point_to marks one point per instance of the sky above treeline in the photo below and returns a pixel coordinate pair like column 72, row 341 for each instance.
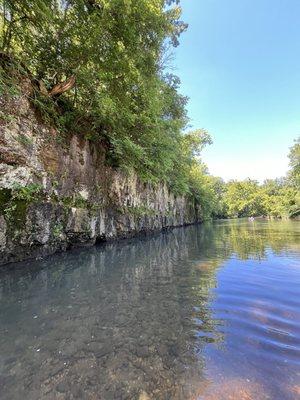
column 239, row 63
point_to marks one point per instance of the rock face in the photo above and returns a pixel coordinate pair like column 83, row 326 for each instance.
column 57, row 192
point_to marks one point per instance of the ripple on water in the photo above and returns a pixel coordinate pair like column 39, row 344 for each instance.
column 206, row 312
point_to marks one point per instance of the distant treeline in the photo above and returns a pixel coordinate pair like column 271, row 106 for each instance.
column 279, row 198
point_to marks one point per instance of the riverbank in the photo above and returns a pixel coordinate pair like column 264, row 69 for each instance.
column 57, row 190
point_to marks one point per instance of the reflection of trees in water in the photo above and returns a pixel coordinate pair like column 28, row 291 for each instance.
column 121, row 321
column 254, row 239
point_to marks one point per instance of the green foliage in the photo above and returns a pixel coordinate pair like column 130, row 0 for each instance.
column 278, row 198
column 24, row 140
column 28, row 193
column 137, row 211
column 275, row 198
column 57, row 230
column 244, row 198
column 6, row 118
column 202, row 189
column 9, row 83
column 294, row 157
column 14, row 203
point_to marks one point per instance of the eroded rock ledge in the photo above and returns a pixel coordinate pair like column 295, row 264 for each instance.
column 57, row 192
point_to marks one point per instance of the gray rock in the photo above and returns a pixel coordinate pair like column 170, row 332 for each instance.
column 81, row 200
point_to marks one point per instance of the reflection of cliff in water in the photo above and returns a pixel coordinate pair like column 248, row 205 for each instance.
column 124, row 321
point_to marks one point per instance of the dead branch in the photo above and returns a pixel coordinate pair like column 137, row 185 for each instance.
column 63, row 86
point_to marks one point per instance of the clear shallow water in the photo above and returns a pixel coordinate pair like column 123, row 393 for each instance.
column 204, row 312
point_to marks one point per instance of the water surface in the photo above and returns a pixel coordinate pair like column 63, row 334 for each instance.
column 204, row 312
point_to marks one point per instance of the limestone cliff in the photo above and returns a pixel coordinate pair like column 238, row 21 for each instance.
column 57, row 192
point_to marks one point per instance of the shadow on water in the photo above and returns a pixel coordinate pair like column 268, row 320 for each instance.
column 132, row 320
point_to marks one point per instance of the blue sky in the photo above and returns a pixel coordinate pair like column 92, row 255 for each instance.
column 239, row 63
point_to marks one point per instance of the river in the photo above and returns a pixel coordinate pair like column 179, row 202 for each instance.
column 206, row 312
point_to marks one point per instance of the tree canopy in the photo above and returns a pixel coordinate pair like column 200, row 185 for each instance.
column 294, row 157
column 278, row 198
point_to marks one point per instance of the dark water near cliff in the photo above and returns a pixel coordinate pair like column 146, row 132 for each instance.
column 205, row 312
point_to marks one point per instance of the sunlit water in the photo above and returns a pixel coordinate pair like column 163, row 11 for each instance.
column 204, row 312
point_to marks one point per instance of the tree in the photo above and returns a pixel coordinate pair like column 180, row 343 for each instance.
column 100, row 62
column 294, row 156
column 244, row 198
